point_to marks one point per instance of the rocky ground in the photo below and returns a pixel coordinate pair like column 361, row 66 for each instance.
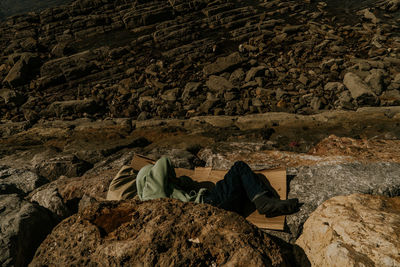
column 179, row 59
column 58, row 169
column 309, row 86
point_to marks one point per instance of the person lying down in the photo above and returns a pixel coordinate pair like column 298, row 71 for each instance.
column 239, row 185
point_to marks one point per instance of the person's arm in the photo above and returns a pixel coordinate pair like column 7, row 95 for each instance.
column 186, row 183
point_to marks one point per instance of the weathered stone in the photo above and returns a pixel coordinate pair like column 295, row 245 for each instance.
column 180, row 158
column 390, row 97
column 344, row 101
column 228, row 96
column 303, row 79
column 375, row 80
column 143, row 116
column 23, row 70
column 95, row 150
column 280, row 93
column 29, row 44
column 206, row 106
column 327, row 64
column 253, row 72
column 24, row 181
column 146, row 102
column 369, row 15
column 223, row 63
column 316, row 103
column 49, row 198
column 353, row 230
column 174, row 233
column 392, row 5
column 170, row 95
column 219, row 84
column 292, row 28
column 110, row 54
column 23, row 227
column 334, row 86
column 256, row 102
column 72, row 107
column 190, row 89
column 313, row 185
column 62, row 49
column 70, row 67
column 11, row 96
column 359, row 90
column 237, row 76
column 67, row 165
column 11, row 128
column 396, row 78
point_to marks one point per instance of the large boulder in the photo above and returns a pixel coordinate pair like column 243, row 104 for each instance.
column 354, row 230
column 313, row 185
column 164, row 232
column 23, row 227
column 359, row 90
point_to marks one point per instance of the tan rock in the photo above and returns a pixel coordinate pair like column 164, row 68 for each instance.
column 164, row 232
column 218, row 83
column 354, row 230
column 223, row 63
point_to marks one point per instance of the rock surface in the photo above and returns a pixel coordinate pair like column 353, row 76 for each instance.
column 159, row 232
column 354, row 230
column 19, row 181
column 23, row 227
column 359, row 89
column 315, row 184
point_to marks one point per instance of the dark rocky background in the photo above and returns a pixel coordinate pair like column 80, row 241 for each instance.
column 179, row 59
column 10, row 8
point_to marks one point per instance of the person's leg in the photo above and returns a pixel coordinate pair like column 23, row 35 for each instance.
column 241, row 182
column 250, row 182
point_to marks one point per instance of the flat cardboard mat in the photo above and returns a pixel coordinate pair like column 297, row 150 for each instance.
column 276, row 177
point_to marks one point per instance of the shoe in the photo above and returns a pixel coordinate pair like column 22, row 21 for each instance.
column 272, row 207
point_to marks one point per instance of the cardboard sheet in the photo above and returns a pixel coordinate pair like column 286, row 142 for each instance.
column 277, row 179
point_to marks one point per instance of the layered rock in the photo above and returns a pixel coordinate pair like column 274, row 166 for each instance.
column 135, row 58
column 353, row 230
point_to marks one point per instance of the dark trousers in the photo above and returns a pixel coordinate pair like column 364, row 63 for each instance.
column 240, row 185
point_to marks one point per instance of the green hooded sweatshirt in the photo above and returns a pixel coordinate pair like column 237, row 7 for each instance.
column 159, row 181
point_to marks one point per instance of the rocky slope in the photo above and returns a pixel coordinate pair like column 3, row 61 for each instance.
column 181, row 59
